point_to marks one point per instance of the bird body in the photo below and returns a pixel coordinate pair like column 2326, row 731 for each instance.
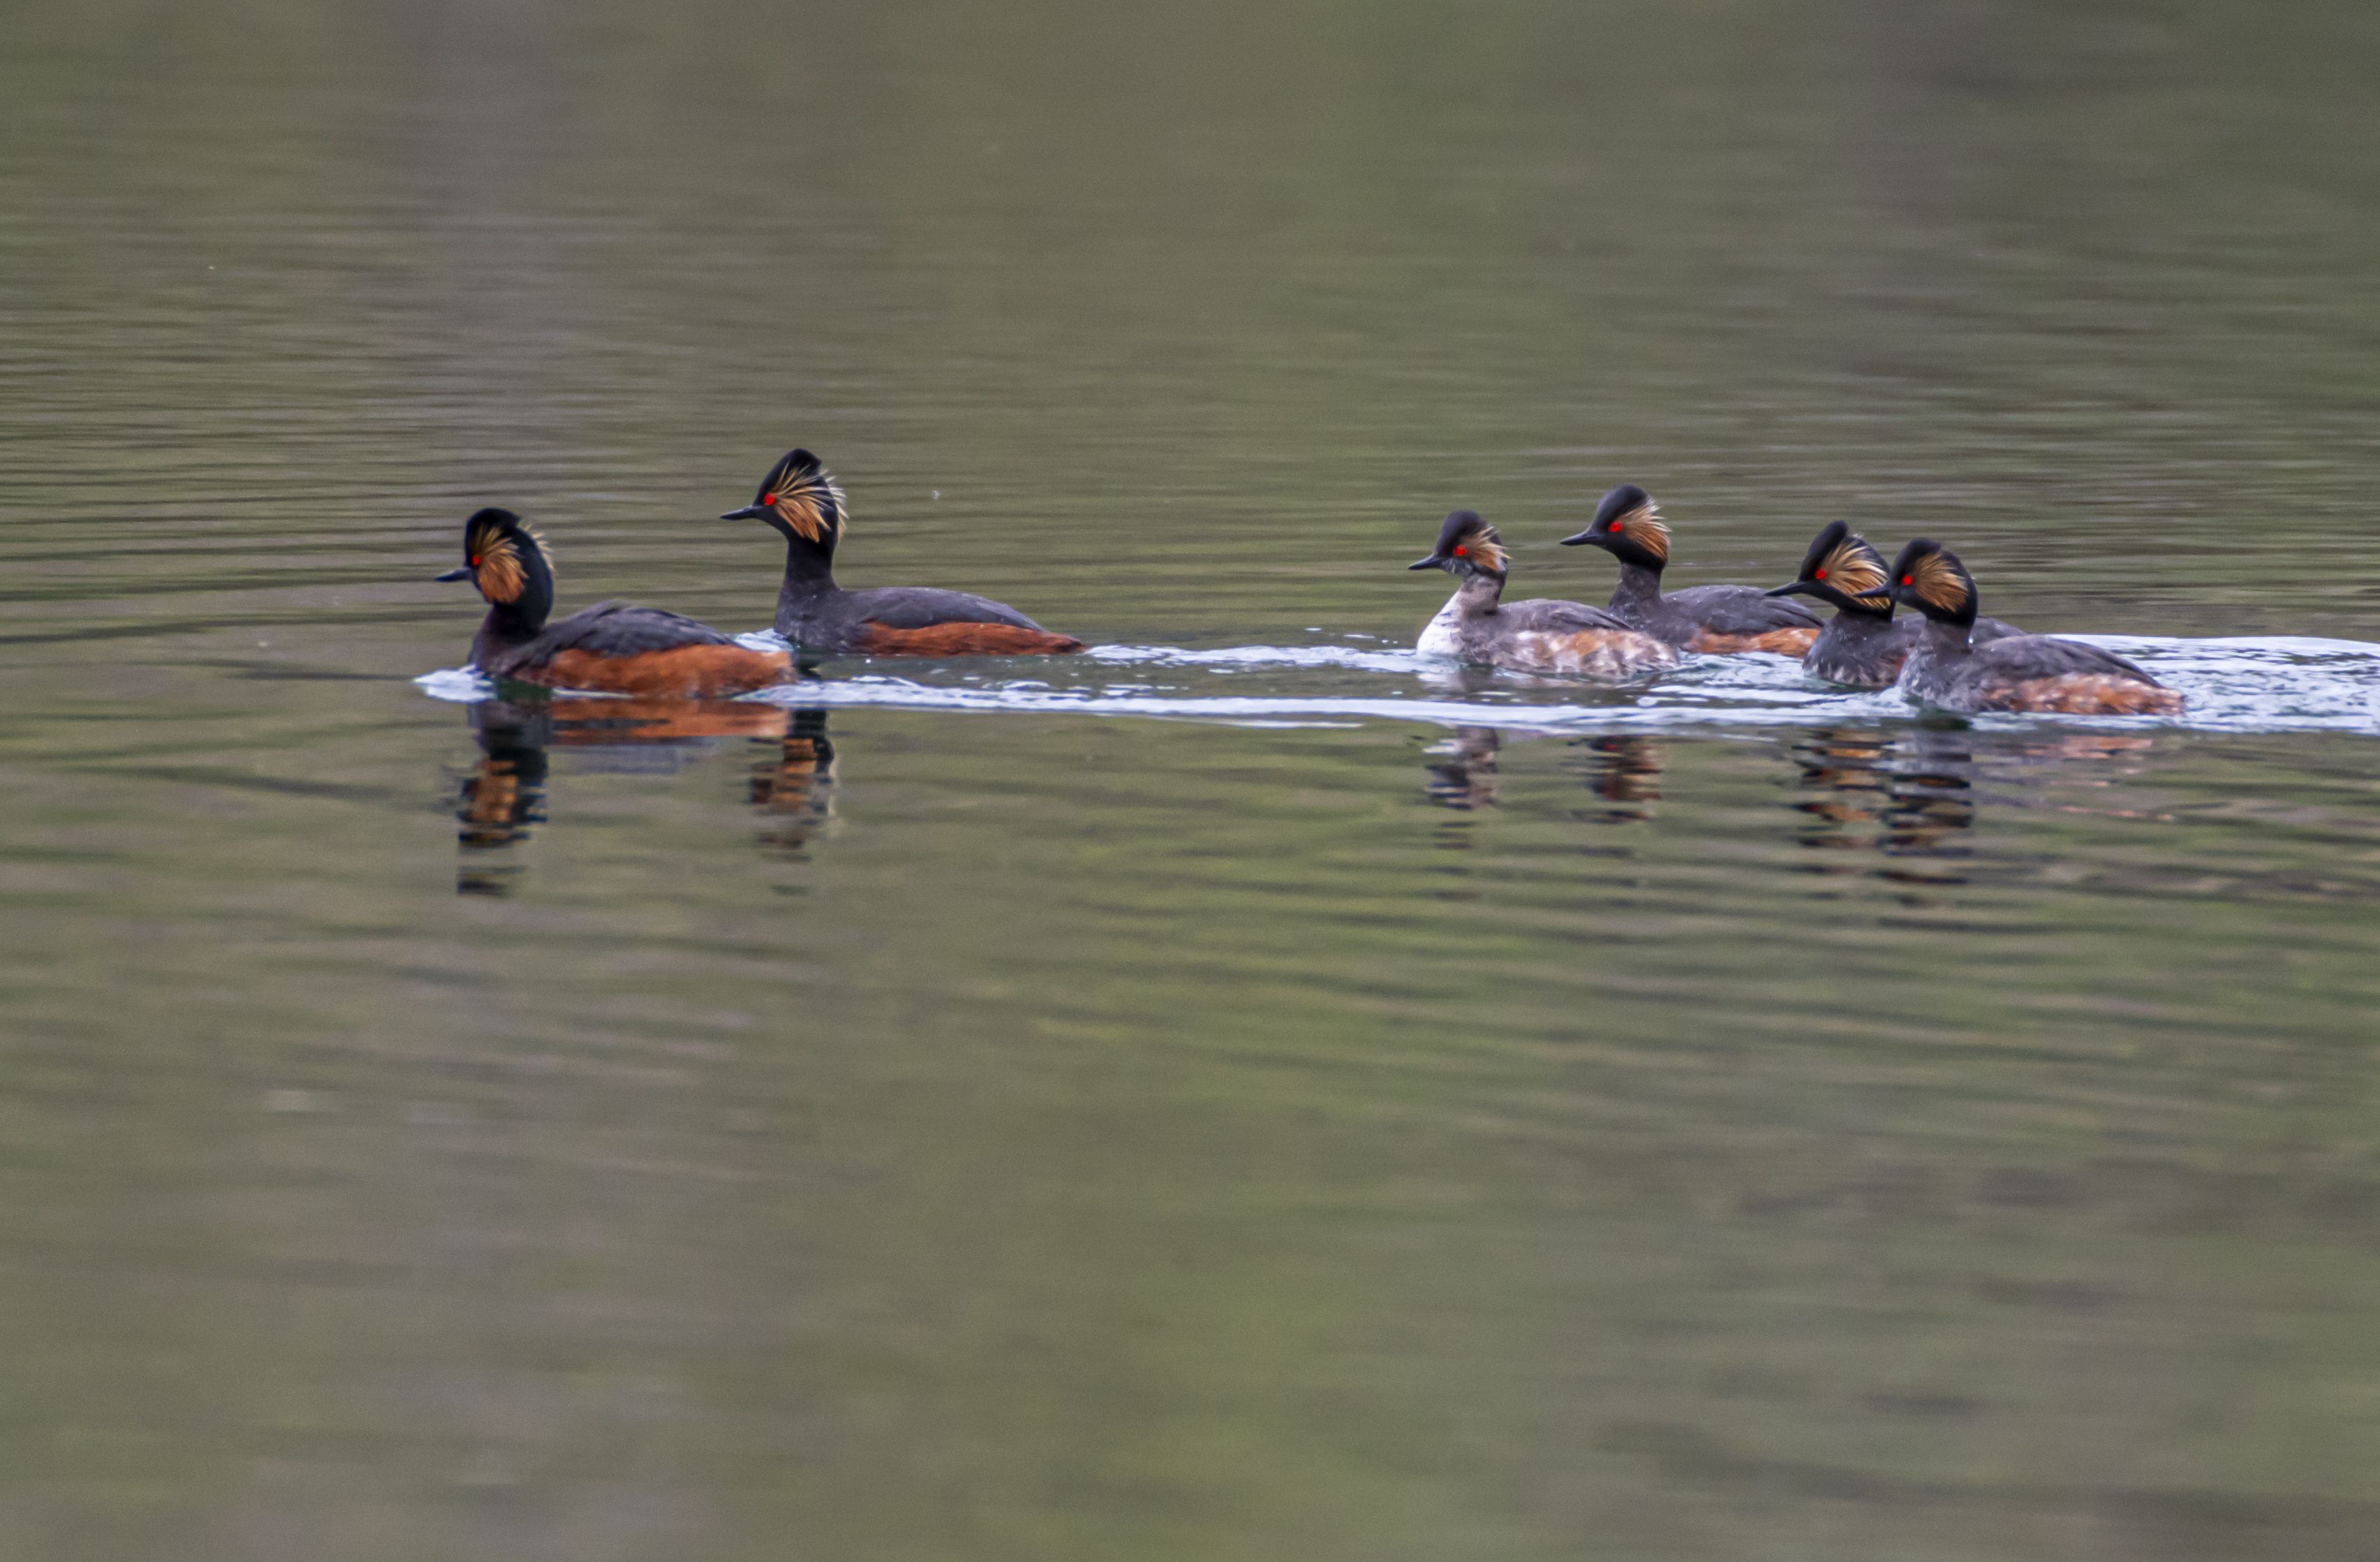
column 613, row 648
column 1863, row 646
column 1949, row 670
column 801, row 501
column 1722, row 620
column 1539, row 635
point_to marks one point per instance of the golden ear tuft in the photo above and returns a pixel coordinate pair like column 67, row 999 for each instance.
column 1643, row 527
column 1484, row 549
column 496, row 552
column 1938, row 582
column 1854, row 568
column 809, row 501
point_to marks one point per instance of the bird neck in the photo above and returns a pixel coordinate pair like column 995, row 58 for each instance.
column 1477, row 595
column 809, row 567
column 1946, row 637
column 1639, row 587
column 520, row 619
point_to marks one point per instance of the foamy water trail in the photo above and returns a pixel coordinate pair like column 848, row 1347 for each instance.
column 2260, row 684
column 464, row 685
column 1362, row 657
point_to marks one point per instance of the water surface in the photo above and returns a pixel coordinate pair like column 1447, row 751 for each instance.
column 1245, row 1092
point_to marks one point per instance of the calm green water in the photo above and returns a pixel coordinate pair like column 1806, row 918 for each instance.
column 1247, row 1094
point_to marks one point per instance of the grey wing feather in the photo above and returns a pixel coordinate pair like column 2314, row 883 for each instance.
column 2043, row 656
column 922, row 606
column 1740, row 610
column 625, row 629
column 1545, row 612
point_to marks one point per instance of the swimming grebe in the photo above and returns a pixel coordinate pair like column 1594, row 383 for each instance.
column 2016, row 672
column 1863, row 646
column 1534, row 637
column 612, row 646
column 801, row 501
column 1701, row 618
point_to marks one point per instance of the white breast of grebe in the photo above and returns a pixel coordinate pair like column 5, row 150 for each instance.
column 1437, row 634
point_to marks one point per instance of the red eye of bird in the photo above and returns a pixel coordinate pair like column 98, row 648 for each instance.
column 1904, row 580
column 1460, row 552
column 475, row 560
column 1820, row 576
column 768, row 498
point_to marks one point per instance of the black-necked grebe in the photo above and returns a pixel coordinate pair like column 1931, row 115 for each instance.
column 1701, row 618
column 2016, row 672
column 801, row 501
column 1863, row 646
column 612, row 646
column 1536, row 637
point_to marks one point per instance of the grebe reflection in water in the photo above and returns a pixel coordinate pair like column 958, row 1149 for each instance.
column 1914, row 796
column 502, row 798
column 1624, row 770
column 793, row 784
column 1462, row 769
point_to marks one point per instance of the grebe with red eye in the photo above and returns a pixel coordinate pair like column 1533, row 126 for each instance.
column 615, row 648
column 807, row 507
column 1701, row 618
column 1533, row 637
column 1863, row 646
column 1947, row 669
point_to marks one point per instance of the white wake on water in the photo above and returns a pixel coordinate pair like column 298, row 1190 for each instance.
column 2255, row 684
